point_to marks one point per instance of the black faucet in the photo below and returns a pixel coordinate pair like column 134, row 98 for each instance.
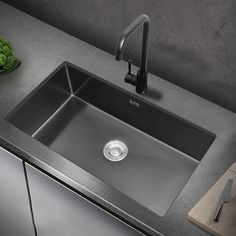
column 139, row 80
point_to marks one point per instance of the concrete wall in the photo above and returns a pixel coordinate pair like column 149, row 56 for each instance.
column 192, row 43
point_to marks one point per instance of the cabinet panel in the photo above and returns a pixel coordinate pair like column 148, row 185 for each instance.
column 15, row 215
column 59, row 211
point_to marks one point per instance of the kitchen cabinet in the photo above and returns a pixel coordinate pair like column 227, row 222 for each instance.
column 58, row 211
column 15, row 213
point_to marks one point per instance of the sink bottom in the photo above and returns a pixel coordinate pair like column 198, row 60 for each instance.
column 152, row 174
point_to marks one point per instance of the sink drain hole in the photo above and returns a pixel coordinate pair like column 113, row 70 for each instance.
column 115, row 150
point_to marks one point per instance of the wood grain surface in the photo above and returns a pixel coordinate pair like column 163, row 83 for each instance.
column 202, row 214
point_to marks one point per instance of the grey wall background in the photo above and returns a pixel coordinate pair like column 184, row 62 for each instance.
column 192, row 43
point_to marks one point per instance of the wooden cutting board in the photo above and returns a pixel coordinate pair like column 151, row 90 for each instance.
column 203, row 212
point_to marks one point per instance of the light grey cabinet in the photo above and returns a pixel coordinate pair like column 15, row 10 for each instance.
column 15, row 214
column 59, row 211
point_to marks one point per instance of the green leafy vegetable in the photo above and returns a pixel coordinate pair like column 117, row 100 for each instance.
column 7, row 59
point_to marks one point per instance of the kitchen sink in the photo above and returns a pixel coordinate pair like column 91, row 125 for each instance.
column 76, row 114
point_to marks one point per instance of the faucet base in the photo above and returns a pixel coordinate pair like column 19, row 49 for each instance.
column 141, row 82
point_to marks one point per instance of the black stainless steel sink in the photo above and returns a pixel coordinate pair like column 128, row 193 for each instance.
column 76, row 113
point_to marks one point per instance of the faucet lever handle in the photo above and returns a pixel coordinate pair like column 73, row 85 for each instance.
column 129, row 67
column 129, row 77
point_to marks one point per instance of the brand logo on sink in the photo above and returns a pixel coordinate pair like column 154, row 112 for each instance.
column 132, row 102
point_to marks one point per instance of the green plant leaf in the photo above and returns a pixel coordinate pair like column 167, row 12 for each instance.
column 3, row 59
column 9, row 62
column 7, row 59
column 6, row 50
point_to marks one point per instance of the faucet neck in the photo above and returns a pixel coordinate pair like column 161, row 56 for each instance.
column 142, row 19
column 144, row 53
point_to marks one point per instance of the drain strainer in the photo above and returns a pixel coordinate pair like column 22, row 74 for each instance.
column 115, row 150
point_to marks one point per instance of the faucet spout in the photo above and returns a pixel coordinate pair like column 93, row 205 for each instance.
column 142, row 19
column 140, row 80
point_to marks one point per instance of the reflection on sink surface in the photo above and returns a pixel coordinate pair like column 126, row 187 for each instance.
column 75, row 114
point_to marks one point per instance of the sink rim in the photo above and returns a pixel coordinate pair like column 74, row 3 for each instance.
column 134, row 95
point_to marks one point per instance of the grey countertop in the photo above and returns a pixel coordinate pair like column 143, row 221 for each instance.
column 42, row 48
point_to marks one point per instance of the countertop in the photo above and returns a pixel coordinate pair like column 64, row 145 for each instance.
column 41, row 49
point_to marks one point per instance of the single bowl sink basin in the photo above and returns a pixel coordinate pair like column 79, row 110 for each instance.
column 76, row 114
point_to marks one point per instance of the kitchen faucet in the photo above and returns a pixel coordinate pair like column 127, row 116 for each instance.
column 139, row 80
